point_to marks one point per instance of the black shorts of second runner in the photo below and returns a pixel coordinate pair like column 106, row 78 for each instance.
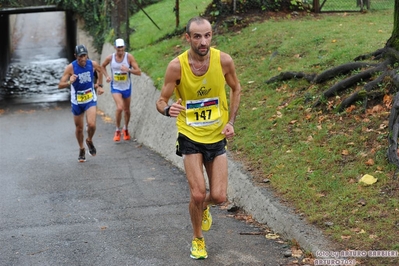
column 185, row 146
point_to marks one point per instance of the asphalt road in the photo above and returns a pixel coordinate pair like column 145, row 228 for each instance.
column 125, row 206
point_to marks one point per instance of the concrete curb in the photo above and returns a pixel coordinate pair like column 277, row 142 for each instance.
column 159, row 133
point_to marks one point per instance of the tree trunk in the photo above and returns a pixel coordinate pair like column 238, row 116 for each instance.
column 394, row 40
column 119, row 18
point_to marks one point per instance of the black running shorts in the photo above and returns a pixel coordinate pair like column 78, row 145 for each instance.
column 184, row 145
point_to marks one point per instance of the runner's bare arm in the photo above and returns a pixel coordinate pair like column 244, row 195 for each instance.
column 172, row 76
column 104, row 67
column 134, row 67
column 234, row 84
column 99, row 84
column 65, row 79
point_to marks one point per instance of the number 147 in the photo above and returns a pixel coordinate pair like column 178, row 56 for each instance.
column 205, row 115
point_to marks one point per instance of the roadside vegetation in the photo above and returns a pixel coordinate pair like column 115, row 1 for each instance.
column 313, row 158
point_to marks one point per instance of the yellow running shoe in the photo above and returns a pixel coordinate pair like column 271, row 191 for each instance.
column 206, row 220
column 198, row 249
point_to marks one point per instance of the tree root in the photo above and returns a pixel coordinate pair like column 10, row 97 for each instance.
column 291, row 75
column 340, row 70
column 387, row 67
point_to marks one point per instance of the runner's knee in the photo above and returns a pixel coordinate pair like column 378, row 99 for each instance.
column 218, row 198
column 198, row 196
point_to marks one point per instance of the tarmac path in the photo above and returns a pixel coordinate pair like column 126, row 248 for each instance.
column 125, row 206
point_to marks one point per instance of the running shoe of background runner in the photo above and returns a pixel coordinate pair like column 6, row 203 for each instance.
column 117, row 136
column 126, row 135
column 92, row 149
column 82, row 155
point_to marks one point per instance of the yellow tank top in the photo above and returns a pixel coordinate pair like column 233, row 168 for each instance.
column 205, row 100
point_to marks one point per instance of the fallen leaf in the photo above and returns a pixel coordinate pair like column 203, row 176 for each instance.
column 387, row 100
column 345, row 152
column 370, row 162
column 377, row 109
column 272, row 236
column 350, row 108
column 362, row 202
column 297, row 253
column 368, row 179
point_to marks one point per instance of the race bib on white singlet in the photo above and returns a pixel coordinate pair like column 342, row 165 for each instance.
column 84, row 96
column 120, row 77
column 202, row 112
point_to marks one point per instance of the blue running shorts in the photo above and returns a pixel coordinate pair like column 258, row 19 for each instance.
column 78, row 109
column 125, row 93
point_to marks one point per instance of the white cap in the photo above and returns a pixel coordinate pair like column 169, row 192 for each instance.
column 119, row 42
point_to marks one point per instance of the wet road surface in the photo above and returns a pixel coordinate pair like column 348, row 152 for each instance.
column 125, row 206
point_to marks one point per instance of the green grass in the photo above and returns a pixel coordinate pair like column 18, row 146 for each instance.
column 164, row 18
column 313, row 157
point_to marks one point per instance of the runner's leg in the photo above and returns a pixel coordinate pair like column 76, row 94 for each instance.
column 126, row 109
column 91, row 115
column 218, row 180
column 193, row 165
column 119, row 108
column 78, row 119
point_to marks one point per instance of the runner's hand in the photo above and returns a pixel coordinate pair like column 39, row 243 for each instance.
column 176, row 108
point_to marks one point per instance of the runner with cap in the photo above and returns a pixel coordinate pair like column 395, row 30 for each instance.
column 122, row 64
column 79, row 76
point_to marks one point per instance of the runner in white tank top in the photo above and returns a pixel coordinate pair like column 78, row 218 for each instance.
column 122, row 64
column 120, row 79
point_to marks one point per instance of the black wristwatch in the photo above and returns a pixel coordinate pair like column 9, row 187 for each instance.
column 166, row 111
column 100, row 85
